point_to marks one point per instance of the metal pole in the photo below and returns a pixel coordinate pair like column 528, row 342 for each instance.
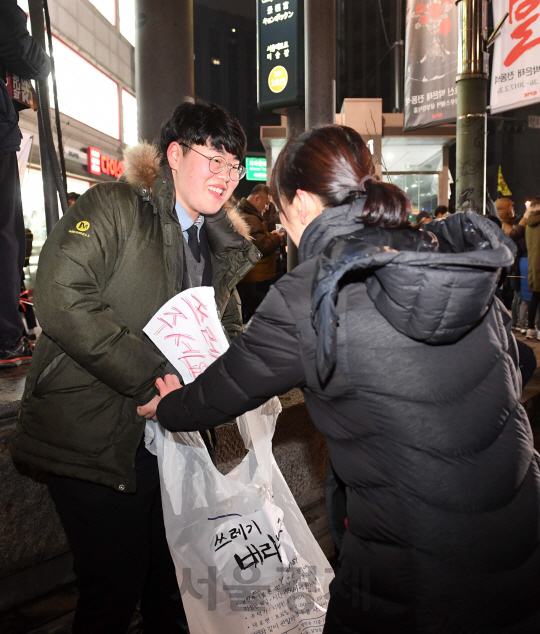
column 164, row 69
column 320, row 60
column 471, row 107
column 484, row 199
column 56, row 110
column 320, row 79
column 296, row 121
column 35, row 8
column 398, row 59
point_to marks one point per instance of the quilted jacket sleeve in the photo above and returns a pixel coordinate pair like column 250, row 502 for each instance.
column 265, row 360
column 232, row 316
column 75, row 264
column 19, row 52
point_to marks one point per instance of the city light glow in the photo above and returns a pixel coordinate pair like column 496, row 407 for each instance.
column 84, row 92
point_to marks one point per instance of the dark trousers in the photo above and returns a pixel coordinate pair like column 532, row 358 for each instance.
column 120, row 553
column 527, row 361
column 252, row 294
column 533, row 307
column 12, row 251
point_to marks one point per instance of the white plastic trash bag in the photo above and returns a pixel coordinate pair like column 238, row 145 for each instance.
column 246, row 560
column 245, row 557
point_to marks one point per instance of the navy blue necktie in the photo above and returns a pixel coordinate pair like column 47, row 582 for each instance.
column 193, row 242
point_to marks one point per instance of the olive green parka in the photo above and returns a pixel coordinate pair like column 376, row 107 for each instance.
column 109, row 264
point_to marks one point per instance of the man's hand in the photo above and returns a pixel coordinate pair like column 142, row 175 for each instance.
column 149, row 410
column 168, row 384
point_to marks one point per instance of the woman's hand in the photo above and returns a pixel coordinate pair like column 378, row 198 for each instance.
column 168, row 384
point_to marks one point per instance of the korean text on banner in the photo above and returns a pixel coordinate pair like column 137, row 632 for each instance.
column 431, row 58
column 515, row 76
column 188, row 331
column 21, row 90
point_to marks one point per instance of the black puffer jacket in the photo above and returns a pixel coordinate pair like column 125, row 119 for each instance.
column 23, row 56
column 408, row 367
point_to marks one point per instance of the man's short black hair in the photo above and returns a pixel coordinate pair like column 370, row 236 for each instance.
column 73, row 196
column 260, row 189
column 196, row 123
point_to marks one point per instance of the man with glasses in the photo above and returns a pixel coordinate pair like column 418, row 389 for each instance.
column 120, row 252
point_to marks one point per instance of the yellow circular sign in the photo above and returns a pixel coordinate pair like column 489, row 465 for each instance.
column 278, row 78
column 83, row 225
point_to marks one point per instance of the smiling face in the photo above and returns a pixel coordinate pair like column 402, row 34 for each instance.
column 197, row 189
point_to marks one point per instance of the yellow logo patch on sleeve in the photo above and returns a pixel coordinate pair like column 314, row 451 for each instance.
column 81, row 227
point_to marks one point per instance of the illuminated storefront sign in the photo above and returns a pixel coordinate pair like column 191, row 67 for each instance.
column 255, row 168
column 280, row 53
column 98, row 164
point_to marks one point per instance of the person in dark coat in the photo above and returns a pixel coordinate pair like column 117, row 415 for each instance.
column 423, row 218
column 532, row 236
column 254, row 286
column 21, row 55
column 440, row 212
column 409, row 368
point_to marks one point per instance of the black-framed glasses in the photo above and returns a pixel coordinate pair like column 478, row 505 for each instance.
column 217, row 164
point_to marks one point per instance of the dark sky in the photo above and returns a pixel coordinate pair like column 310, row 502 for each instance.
column 245, row 8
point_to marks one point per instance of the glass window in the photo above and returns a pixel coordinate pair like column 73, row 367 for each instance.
column 84, row 92
column 34, row 212
column 422, row 189
column 33, row 205
column 129, row 117
column 126, row 14
column 106, row 8
column 405, row 154
column 77, row 185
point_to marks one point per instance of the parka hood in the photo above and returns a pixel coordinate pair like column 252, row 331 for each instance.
column 433, row 285
column 142, row 166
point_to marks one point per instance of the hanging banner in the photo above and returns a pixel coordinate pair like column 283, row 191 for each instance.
column 515, row 75
column 431, row 59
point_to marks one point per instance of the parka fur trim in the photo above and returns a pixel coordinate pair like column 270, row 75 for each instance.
column 142, row 163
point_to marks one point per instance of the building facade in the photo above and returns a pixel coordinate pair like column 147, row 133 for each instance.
column 95, row 74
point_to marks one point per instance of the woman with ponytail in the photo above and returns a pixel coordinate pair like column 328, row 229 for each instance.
column 408, row 367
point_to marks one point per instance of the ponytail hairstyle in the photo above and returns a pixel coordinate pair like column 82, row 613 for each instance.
column 333, row 163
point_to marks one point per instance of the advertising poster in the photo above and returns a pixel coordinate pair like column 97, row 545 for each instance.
column 515, row 75
column 431, row 59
